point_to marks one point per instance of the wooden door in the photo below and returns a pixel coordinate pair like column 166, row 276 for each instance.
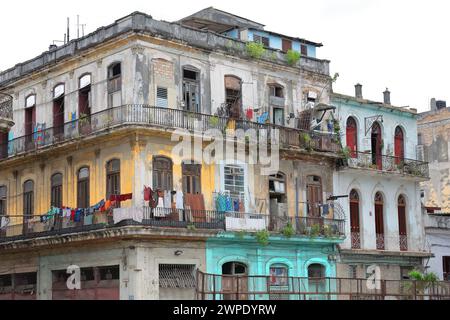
column 58, row 117
column 402, row 224
column 352, row 136
column 286, row 45
column 399, row 146
column 379, row 221
column 446, row 268
column 377, row 147
column 314, row 195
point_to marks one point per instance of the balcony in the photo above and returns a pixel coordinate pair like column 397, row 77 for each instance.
column 389, row 164
column 34, row 227
column 270, row 287
column 164, row 119
column 6, row 112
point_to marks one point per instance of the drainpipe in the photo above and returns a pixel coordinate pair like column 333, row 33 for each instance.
column 296, row 198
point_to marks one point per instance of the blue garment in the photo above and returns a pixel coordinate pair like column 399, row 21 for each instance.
column 221, row 203
column 78, row 215
column 229, row 204
column 236, row 205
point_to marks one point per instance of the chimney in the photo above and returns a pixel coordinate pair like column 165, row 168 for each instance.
column 440, row 104
column 358, row 91
column 387, row 96
column 433, row 106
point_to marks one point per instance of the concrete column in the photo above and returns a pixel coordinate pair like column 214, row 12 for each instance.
column 138, row 148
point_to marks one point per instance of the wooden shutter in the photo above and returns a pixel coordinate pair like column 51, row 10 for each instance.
column 286, row 45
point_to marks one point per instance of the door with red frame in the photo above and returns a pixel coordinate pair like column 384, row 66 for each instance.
column 377, row 146
column 403, row 234
column 352, row 137
column 354, row 220
column 399, row 146
column 379, row 221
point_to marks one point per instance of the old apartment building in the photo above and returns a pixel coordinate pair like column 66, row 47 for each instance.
column 434, row 130
column 382, row 178
column 89, row 176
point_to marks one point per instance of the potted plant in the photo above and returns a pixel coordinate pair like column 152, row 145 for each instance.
column 420, row 283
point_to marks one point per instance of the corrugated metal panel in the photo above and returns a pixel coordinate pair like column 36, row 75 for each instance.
column 176, row 276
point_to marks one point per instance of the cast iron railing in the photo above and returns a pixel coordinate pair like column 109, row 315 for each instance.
column 168, row 119
column 20, row 227
column 250, row 287
column 385, row 163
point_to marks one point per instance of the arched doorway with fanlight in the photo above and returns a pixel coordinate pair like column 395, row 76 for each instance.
column 377, row 146
column 235, row 281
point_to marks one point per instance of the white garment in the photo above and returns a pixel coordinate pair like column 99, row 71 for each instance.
column 4, row 221
column 135, row 214
column 160, row 202
column 179, row 200
column 167, row 199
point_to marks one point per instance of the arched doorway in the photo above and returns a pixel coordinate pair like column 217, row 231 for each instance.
column 379, row 220
column 354, row 220
column 399, row 145
column 403, row 234
column 316, row 281
column 235, row 281
column 352, row 137
column 377, row 146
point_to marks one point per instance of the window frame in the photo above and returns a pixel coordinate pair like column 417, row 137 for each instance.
column 56, row 190
column 112, row 178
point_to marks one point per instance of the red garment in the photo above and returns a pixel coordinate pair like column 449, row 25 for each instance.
column 121, row 198
column 72, row 215
column 249, row 114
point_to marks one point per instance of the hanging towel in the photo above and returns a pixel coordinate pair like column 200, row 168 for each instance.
column 88, row 220
column 179, row 200
column 221, row 203
column 160, row 202
column 122, row 214
column 167, row 199
column 4, row 221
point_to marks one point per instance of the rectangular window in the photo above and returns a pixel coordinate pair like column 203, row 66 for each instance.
column 162, row 97
column 177, row 276
column 304, row 50
column 353, row 271
column 234, row 181
column 446, row 268
column 191, row 90
column 56, row 196
column 3, row 201
column 286, row 45
column 265, row 41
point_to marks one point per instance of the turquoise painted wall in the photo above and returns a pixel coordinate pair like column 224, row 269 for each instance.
column 297, row 254
column 232, row 33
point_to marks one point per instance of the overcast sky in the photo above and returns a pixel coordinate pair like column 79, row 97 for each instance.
column 399, row 44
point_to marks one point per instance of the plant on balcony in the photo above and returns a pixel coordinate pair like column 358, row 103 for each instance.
column 307, row 141
column 263, row 237
column 255, row 50
column 292, row 57
column 288, row 231
column 315, row 231
column 345, row 153
column 421, row 282
column 214, row 121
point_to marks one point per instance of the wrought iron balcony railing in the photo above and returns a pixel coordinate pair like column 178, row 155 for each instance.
column 274, row 287
column 367, row 160
column 20, row 227
column 167, row 119
column 6, row 108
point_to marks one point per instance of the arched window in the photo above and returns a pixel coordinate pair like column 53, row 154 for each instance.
column 28, row 198
column 3, row 198
column 399, row 145
column 56, row 190
column 314, row 195
column 377, row 146
column 316, row 271
column 84, row 98
column 112, row 178
column 114, row 85
column 191, row 89
column 233, row 96
column 352, row 137
column 58, row 110
column 402, row 225
column 162, row 174
column 354, row 220
column 30, row 118
column 83, row 188
column 192, row 178
column 379, row 221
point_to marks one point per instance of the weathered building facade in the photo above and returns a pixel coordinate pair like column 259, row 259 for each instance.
column 87, row 126
column 381, row 177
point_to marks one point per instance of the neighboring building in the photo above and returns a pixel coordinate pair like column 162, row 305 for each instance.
column 382, row 181
column 433, row 130
column 437, row 229
column 92, row 120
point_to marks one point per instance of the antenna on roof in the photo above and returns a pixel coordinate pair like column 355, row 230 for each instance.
column 68, row 29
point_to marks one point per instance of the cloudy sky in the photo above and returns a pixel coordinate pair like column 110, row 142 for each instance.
column 403, row 45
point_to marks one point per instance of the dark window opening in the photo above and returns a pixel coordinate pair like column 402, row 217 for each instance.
column 3, row 195
column 276, row 91
column 3, row 145
column 114, row 85
column 162, row 174
column 286, row 45
column 109, row 273
column 304, row 50
column 56, row 190
column 83, row 188
column 277, row 187
column 28, row 198
column 5, row 281
column 112, row 178
column 377, row 146
column 234, row 268
column 446, row 268
column 192, row 178
column 58, row 117
column 30, row 119
column 265, row 41
column 233, row 97
column 191, row 90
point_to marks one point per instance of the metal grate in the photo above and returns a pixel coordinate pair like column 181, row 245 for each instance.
column 176, row 276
